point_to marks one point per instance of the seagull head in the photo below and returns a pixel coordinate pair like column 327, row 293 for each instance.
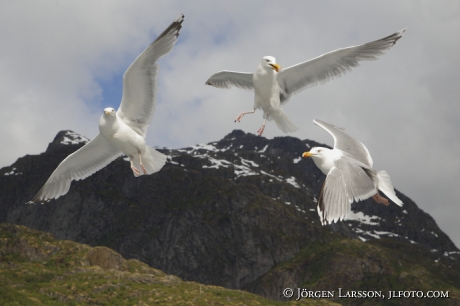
column 316, row 152
column 109, row 111
column 270, row 61
column 323, row 158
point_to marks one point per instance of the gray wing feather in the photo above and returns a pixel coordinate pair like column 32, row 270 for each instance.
column 140, row 81
column 89, row 159
column 346, row 143
column 227, row 79
column 345, row 183
column 332, row 199
column 330, row 65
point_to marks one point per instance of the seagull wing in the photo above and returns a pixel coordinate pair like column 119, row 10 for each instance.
column 90, row 158
column 346, row 182
column 227, row 79
column 331, row 65
column 140, row 81
column 346, row 143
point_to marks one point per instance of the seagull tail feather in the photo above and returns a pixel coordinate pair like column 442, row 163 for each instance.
column 387, row 188
column 282, row 121
column 153, row 160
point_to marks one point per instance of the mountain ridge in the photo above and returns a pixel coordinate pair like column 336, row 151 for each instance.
column 225, row 213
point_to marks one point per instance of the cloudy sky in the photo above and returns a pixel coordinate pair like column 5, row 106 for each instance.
column 61, row 63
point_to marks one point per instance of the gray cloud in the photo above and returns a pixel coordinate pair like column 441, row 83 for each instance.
column 404, row 106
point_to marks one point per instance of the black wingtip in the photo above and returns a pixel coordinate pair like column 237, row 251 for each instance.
column 39, row 198
column 390, row 40
column 395, row 37
column 399, row 35
column 35, row 200
column 175, row 26
column 181, row 18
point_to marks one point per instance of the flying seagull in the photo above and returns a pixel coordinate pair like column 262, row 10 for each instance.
column 274, row 86
column 349, row 176
column 122, row 131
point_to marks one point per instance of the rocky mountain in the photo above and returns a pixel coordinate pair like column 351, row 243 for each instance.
column 37, row 269
column 238, row 213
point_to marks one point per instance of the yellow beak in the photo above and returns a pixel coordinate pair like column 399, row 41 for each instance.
column 276, row 67
column 306, row 154
column 106, row 112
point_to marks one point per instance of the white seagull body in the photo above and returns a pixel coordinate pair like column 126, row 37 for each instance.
column 122, row 131
column 349, row 176
column 273, row 87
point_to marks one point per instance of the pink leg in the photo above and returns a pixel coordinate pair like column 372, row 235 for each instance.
column 262, row 128
column 142, row 166
column 240, row 116
column 136, row 172
column 379, row 199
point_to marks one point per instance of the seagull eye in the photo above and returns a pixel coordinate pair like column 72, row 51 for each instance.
column 267, row 60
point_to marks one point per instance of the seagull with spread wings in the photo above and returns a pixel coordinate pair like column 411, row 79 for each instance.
column 122, row 131
column 274, row 86
column 349, row 176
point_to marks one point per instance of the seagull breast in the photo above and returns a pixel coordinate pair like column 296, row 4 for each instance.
column 266, row 88
column 121, row 135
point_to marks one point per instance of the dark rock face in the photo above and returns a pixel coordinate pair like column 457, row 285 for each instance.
column 225, row 213
column 388, row 265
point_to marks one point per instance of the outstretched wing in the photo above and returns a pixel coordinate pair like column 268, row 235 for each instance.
column 89, row 159
column 346, row 143
column 346, row 182
column 140, row 81
column 227, row 79
column 331, row 65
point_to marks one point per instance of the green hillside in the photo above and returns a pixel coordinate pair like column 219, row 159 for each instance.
column 37, row 269
column 383, row 266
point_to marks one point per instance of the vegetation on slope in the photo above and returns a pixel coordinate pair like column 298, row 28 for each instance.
column 384, row 265
column 37, row 269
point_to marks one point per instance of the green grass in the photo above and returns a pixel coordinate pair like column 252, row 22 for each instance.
column 335, row 263
column 36, row 269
